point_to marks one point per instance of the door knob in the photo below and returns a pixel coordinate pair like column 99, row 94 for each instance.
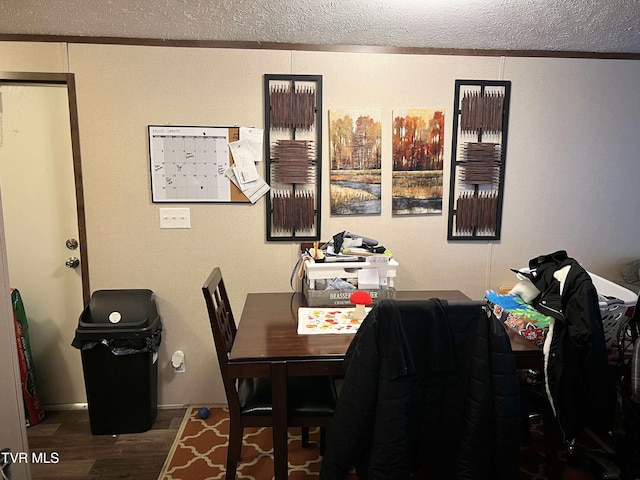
column 72, row 262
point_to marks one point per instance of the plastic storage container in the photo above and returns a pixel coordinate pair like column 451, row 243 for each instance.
column 119, row 334
column 616, row 305
column 316, row 275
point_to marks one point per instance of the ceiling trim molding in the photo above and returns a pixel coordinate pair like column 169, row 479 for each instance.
column 252, row 45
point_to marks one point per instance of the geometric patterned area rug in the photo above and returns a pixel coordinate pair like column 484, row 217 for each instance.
column 200, row 451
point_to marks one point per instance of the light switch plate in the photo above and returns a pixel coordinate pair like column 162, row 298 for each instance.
column 175, row 218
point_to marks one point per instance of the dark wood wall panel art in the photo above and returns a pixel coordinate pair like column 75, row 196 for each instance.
column 478, row 158
column 293, row 154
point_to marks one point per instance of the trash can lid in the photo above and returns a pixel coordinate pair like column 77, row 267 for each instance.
column 121, row 309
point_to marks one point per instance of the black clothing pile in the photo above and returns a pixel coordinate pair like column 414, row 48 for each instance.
column 430, row 391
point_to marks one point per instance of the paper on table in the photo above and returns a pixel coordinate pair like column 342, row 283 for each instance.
column 313, row 321
column 254, row 138
column 243, row 162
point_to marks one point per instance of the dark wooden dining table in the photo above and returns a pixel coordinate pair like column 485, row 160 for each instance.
column 267, row 344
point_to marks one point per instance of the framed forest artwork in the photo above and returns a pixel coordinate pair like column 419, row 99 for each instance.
column 355, row 150
column 418, row 154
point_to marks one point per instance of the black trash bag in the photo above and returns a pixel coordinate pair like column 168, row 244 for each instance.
column 126, row 321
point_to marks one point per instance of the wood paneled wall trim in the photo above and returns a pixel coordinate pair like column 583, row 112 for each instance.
column 247, row 45
column 67, row 79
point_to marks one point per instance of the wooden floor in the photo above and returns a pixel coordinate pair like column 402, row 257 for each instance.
column 138, row 456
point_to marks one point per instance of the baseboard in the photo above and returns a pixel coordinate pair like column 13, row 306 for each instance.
column 84, row 406
column 65, row 406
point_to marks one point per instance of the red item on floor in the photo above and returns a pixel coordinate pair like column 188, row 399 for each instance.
column 33, row 409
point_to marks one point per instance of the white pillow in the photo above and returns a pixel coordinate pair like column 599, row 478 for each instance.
column 526, row 289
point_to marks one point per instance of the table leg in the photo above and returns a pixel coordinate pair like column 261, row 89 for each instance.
column 279, row 400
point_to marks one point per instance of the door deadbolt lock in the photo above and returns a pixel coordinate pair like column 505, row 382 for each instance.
column 71, row 243
column 72, row 262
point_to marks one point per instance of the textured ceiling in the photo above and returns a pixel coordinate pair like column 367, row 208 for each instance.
column 603, row 26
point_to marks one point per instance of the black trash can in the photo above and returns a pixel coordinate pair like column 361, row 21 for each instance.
column 118, row 335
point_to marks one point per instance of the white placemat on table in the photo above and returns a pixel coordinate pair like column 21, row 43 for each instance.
column 321, row 320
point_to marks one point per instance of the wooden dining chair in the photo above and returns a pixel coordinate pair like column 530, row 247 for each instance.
column 311, row 400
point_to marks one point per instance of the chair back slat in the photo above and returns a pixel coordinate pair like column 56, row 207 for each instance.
column 223, row 328
column 223, row 325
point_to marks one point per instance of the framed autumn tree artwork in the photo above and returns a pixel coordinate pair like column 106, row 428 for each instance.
column 355, row 147
column 418, row 154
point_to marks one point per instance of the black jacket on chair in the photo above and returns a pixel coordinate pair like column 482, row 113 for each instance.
column 580, row 389
column 430, row 391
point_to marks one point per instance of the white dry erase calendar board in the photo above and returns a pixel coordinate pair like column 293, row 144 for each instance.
column 188, row 164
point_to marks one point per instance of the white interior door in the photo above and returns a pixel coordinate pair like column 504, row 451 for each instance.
column 39, row 205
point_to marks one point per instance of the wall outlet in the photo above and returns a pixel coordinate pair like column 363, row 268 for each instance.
column 177, row 361
column 175, row 218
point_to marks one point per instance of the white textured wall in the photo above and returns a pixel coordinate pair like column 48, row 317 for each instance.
column 13, row 434
column 571, row 173
column 577, row 25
